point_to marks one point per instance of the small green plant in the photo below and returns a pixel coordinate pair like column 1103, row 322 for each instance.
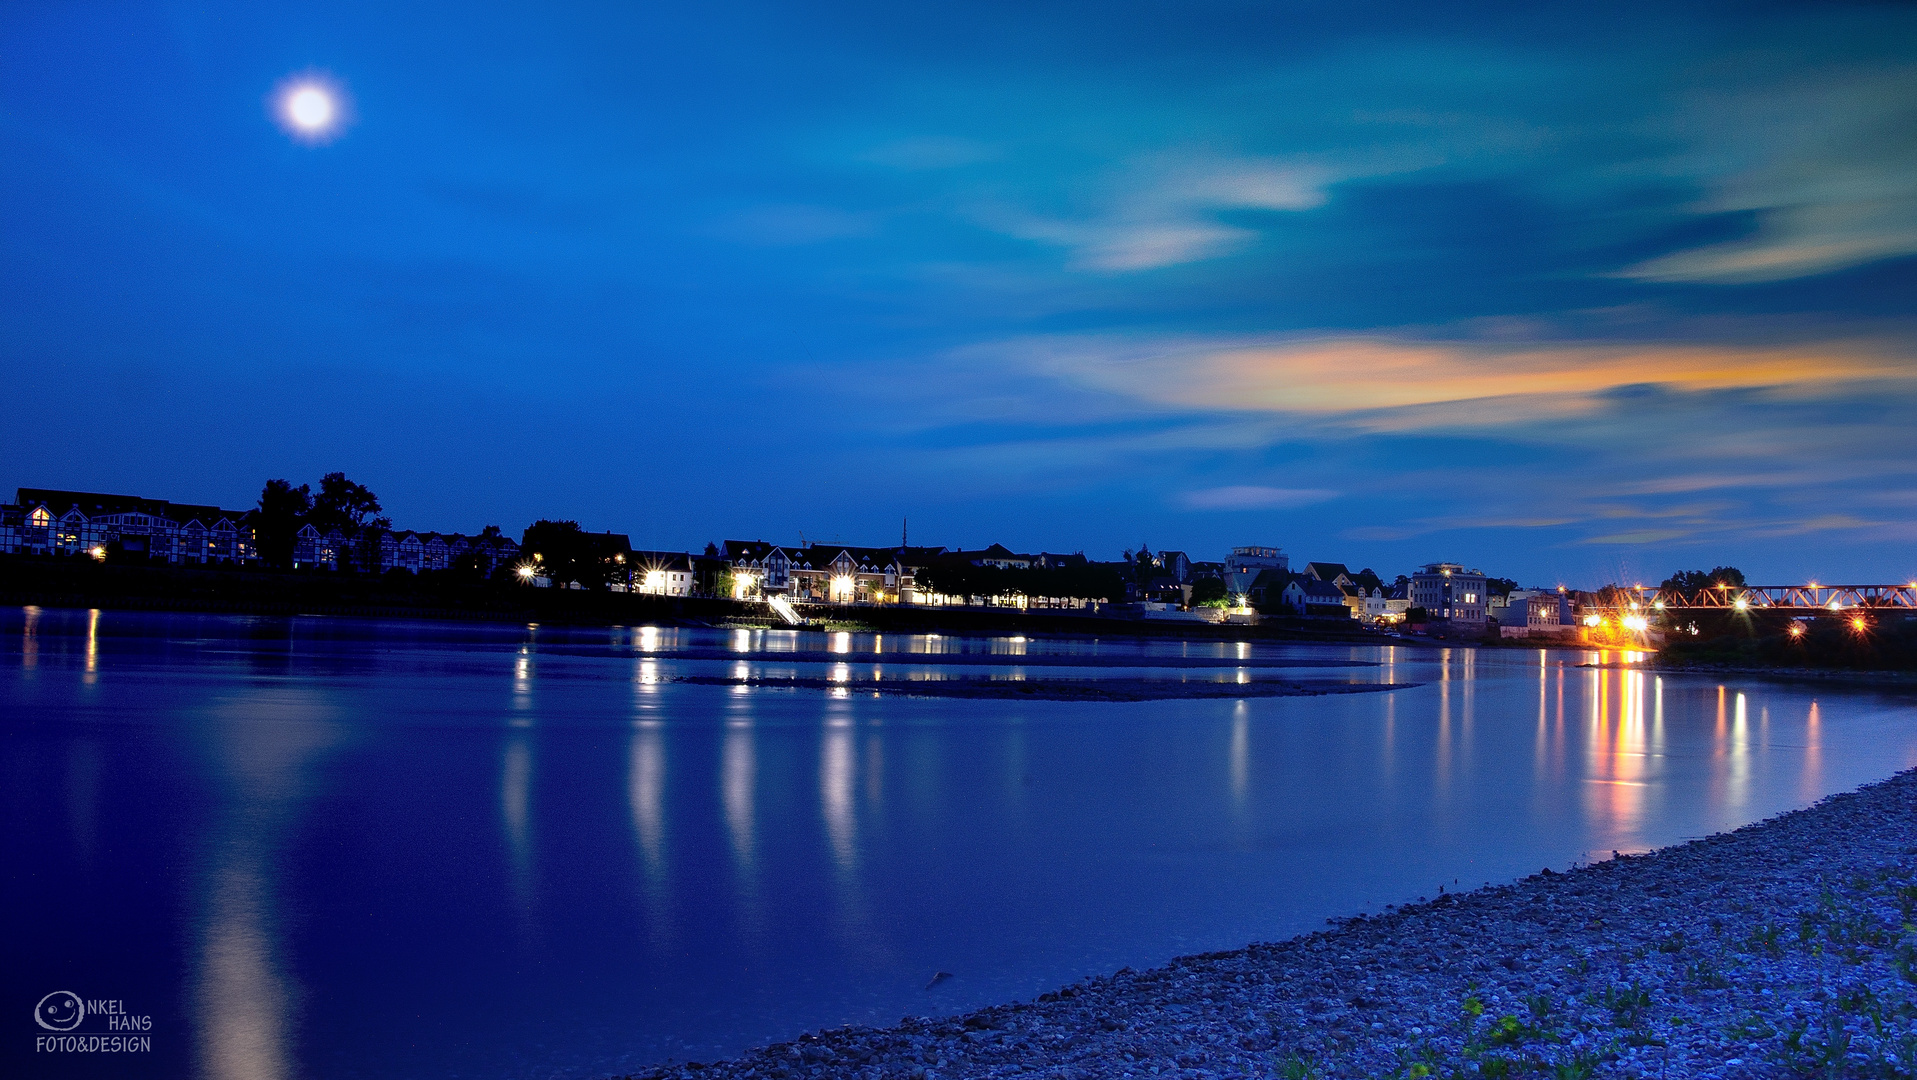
column 1508, row 1031
column 1673, row 942
column 1628, row 1004
column 1764, row 940
column 1857, row 998
column 1749, row 1028
column 1578, row 1066
column 1907, row 901
column 1704, row 974
column 1853, row 933
column 1820, row 1054
column 1295, row 1066
column 1905, row 962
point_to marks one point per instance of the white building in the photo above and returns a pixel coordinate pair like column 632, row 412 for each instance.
column 1449, row 591
column 758, row 568
column 1244, row 565
column 661, row 573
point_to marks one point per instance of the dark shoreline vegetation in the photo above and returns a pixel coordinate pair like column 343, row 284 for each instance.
column 1782, row 949
column 1879, row 640
column 83, row 583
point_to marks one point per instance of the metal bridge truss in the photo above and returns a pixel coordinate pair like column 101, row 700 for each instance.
column 1799, row 598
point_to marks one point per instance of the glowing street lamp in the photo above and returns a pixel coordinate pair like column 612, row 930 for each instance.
column 525, row 573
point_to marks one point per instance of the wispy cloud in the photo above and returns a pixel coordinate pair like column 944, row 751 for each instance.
column 1826, row 163
column 1254, row 497
column 1165, row 211
column 1383, row 384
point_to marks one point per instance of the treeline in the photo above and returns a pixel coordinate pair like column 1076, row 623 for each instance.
column 340, row 504
column 1870, row 641
column 353, row 511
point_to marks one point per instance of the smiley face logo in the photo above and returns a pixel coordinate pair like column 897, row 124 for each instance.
column 61, row 1010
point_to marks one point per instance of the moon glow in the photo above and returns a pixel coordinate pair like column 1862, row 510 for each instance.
column 310, row 108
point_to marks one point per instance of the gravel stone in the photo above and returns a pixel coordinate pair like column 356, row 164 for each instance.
column 1783, row 949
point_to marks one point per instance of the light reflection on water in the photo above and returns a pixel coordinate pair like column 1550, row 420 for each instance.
column 586, row 866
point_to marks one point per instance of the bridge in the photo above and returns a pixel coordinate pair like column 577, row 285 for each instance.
column 1806, row 599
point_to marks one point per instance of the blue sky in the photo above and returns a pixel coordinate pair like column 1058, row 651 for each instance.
column 1570, row 295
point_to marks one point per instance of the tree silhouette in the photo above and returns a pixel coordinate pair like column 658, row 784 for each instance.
column 354, row 510
column 283, row 508
column 344, row 505
column 1692, row 580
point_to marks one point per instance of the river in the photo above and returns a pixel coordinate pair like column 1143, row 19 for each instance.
column 351, row 848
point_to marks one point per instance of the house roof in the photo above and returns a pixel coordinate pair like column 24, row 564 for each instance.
column 661, row 560
column 1326, row 571
column 819, row 554
column 995, row 552
column 754, row 550
column 93, row 504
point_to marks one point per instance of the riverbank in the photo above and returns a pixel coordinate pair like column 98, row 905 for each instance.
column 1782, row 949
column 74, row 583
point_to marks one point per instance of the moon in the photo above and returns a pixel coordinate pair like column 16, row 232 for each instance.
column 310, row 108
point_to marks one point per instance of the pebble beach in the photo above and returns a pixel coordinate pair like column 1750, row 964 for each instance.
column 1783, row 949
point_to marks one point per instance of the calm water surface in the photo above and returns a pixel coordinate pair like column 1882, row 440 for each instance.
column 332, row 848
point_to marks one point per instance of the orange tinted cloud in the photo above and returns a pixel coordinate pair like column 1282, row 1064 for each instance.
column 1371, row 375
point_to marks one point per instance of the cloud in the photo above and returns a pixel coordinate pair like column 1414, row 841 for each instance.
column 1385, row 384
column 1640, row 536
column 1253, row 497
column 1163, row 212
column 1826, row 164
